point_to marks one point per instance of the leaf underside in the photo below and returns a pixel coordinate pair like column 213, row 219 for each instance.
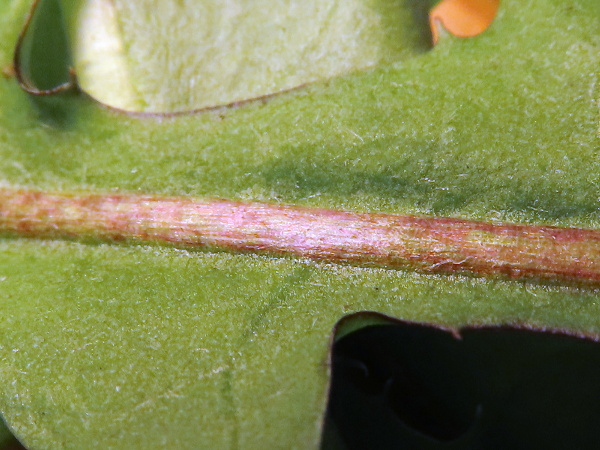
column 193, row 55
column 143, row 347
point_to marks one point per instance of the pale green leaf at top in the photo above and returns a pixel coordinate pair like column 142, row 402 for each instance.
column 108, row 346
column 168, row 56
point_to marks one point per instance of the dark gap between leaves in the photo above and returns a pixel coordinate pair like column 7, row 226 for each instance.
column 44, row 54
column 402, row 385
column 43, row 62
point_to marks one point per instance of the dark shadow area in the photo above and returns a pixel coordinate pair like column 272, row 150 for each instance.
column 561, row 204
column 414, row 386
column 43, row 63
column 44, row 52
column 417, row 36
column 56, row 111
column 420, row 12
column 8, row 442
column 13, row 444
column 425, row 182
column 303, row 179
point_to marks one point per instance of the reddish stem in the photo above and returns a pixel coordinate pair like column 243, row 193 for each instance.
column 427, row 244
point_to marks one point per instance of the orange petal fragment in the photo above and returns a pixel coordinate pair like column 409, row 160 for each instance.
column 462, row 18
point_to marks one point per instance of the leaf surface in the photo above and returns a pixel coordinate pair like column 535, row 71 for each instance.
column 149, row 347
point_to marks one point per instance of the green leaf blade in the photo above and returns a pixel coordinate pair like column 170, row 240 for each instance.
column 503, row 127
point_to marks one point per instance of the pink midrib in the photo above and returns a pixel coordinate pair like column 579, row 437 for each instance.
column 427, row 244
